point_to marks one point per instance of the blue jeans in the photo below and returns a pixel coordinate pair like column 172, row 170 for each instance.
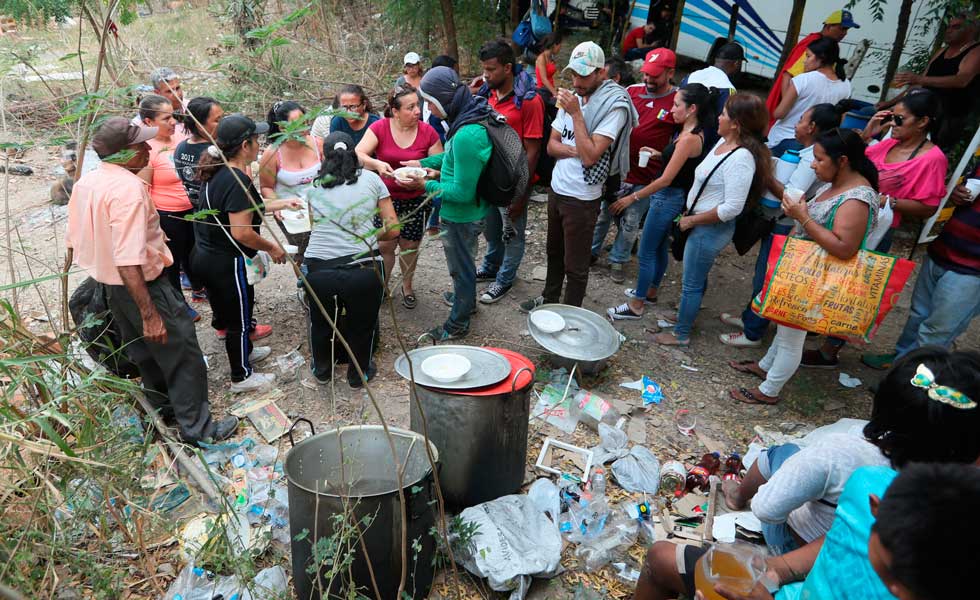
column 703, row 246
column 778, row 536
column 433, row 222
column 943, row 304
column 627, row 226
column 753, row 325
column 664, row 207
column 505, row 245
column 460, row 242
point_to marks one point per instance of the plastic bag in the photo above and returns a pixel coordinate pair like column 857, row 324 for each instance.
column 545, row 496
column 611, row 543
column 612, row 445
column 194, row 583
column 514, row 541
column 638, row 472
column 554, row 410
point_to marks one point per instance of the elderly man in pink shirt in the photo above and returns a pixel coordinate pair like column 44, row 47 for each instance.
column 114, row 232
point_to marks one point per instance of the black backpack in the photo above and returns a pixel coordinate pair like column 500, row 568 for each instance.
column 90, row 311
column 505, row 176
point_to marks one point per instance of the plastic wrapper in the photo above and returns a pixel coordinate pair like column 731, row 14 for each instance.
column 194, row 583
column 610, row 544
column 639, row 471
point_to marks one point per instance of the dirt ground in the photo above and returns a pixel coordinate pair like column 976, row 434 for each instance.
column 694, row 378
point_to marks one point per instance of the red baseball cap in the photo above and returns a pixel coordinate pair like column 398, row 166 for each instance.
column 658, row 61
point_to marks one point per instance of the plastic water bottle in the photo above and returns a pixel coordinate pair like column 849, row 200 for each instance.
column 785, row 165
column 599, row 481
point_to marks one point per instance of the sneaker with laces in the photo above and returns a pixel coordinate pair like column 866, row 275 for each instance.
column 259, row 353
column 738, row 340
column 482, row 275
column 260, row 331
column 631, row 293
column 623, row 312
column 256, row 381
column 494, row 292
column 616, row 272
column 531, row 303
column 732, row 320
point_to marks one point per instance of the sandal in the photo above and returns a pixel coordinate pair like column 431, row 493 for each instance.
column 747, row 396
column 669, row 338
column 409, row 301
column 744, row 366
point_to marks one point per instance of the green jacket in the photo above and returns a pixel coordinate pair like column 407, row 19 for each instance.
column 461, row 165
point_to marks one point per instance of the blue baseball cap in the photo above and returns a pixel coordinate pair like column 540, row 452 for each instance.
column 842, row 18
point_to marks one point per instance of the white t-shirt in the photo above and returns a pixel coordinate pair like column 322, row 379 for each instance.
column 343, row 218
column 804, row 491
column 728, row 188
column 712, row 77
column 568, row 177
column 812, row 88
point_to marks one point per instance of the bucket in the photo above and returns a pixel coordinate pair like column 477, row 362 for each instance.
column 481, row 433
column 856, row 118
column 344, row 478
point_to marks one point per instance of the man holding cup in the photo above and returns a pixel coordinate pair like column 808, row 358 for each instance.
column 652, row 100
column 589, row 141
column 947, row 292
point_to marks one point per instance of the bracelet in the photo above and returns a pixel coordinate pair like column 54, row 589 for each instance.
column 804, row 223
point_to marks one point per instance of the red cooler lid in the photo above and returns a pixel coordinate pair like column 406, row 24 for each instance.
column 517, row 362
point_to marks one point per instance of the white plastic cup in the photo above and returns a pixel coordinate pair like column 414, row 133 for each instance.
column 794, row 194
column 644, row 159
column 290, row 248
column 974, row 186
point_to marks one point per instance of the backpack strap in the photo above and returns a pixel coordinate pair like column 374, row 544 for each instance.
column 704, row 183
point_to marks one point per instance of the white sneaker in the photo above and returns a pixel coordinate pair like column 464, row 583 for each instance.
column 738, row 340
column 256, row 381
column 732, row 320
column 259, row 353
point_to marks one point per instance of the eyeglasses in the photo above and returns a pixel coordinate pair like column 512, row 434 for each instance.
column 352, row 107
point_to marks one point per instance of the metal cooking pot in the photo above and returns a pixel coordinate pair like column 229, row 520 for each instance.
column 482, row 440
column 350, row 471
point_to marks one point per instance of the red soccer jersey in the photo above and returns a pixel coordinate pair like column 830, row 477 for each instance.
column 654, row 130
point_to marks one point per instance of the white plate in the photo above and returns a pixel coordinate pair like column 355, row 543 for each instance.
column 408, row 173
column 548, row 321
column 296, row 221
column 446, row 368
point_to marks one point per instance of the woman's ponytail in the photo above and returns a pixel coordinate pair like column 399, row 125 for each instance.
column 706, row 100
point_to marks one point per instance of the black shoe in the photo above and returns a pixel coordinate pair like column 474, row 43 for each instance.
column 354, row 380
column 593, row 259
column 482, row 275
column 224, row 429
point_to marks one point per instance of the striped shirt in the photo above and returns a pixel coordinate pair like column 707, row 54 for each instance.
column 958, row 246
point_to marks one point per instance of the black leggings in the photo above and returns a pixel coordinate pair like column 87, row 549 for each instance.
column 181, row 242
column 232, row 300
column 352, row 296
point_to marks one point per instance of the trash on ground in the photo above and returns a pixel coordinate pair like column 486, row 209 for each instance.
column 546, row 497
column 611, row 543
column 639, row 471
column 848, row 381
column 514, row 541
column 652, row 393
column 663, row 324
column 590, row 410
column 626, row 573
column 288, row 365
column 633, row 385
column 555, row 408
column 264, row 413
column 567, row 455
column 195, row 583
column 690, row 368
column 612, row 445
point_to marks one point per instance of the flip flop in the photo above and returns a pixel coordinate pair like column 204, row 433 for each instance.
column 747, row 396
column 742, row 367
column 409, row 301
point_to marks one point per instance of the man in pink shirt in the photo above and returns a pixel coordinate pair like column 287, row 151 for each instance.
column 114, row 233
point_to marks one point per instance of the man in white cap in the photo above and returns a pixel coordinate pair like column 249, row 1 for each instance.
column 115, row 235
column 589, row 141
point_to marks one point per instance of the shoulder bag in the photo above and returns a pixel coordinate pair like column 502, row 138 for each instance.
column 679, row 238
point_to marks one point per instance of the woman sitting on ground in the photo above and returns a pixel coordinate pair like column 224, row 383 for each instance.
column 344, row 265
column 838, row 219
column 290, row 165
column 694, row 110
column 924, row 411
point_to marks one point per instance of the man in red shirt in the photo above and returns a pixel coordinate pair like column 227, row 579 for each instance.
column 653, row 100
column 511, row 93
column 835, row 27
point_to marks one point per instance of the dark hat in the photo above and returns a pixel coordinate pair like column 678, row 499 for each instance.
column 236, row 128
column 731, row 51
column 118, row 132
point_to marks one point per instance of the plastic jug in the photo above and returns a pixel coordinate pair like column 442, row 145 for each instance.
column 738, row 566
column 785, row 165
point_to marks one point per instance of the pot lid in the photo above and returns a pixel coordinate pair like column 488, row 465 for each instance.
column 585, row 337
column 523, row 379
column 486, row 367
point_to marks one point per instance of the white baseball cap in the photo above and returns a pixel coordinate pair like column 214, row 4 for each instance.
column 412, row 58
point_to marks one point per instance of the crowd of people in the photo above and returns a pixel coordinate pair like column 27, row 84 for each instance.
column 673, row 166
